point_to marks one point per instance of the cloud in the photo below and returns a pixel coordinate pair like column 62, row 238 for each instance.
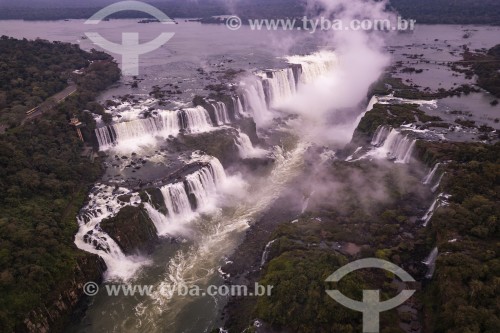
column 361, row 61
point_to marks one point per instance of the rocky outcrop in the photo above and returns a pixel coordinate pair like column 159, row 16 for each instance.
column 132, row 230
column 56, row 311
column 220, row 144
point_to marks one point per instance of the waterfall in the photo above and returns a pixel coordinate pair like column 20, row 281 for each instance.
column 255, row 100
column 268, row 89
column 314, row 65
column 351, row 157
column 159, row 220
column 246, row 148
column 221, row 113
column 374, row 100
column 380, row 136
column 430, row 212
column 238, row 107
column 202, row 185
column 440, row 201
column 163, row 124
column 166, row 123
column 281, row 85
column 436, row 187
column 104, row 203
column 196, row 120
column 396, row 146
column 430, row 262
column 176, row 200
column 184, row 199
column 399, row 147
column 105, row 136
column 305, row 204
column 265, row 254
column 369, row 107
column 430, row 176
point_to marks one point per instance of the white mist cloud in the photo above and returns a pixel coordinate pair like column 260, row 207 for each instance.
column 361, row 61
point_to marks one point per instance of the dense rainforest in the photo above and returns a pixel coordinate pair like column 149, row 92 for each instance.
column 33, row 71
column 424, row 11
column 44, row 178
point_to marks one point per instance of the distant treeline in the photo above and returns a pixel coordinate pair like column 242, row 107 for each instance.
column 424, row 11
column 174, row 9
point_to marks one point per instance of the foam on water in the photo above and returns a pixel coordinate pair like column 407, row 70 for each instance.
column 104, row 203
column 199, row 263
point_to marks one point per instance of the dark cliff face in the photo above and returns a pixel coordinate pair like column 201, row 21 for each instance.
column 249, row 127
column 55, row 313
column 132, row 230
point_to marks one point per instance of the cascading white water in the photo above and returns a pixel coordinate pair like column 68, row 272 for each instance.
column 202, row 185
column 430, row 176
column 430, row 262
column 221, row 113
column 396, row 146
column 314, row 65
column 436, row 186
column 265, row 254
column 164, row 124
column 167, row 123
column 198, row 120
column 440, row 201
column 390, row 99
column 380, row 136
column 305, row 204
column 255, row 100
column 351, row 157
column 246, row 148
column 282, row 85
column 430, row 212
column 374, row 100
column 369, row 107
column 238, row 107
column 196, row 263
column 104, row 203
column 177, row 201
column 399, row 147
column 184, row 268
column 105, row 137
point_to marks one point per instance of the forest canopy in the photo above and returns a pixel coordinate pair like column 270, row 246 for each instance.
column 44, row 178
